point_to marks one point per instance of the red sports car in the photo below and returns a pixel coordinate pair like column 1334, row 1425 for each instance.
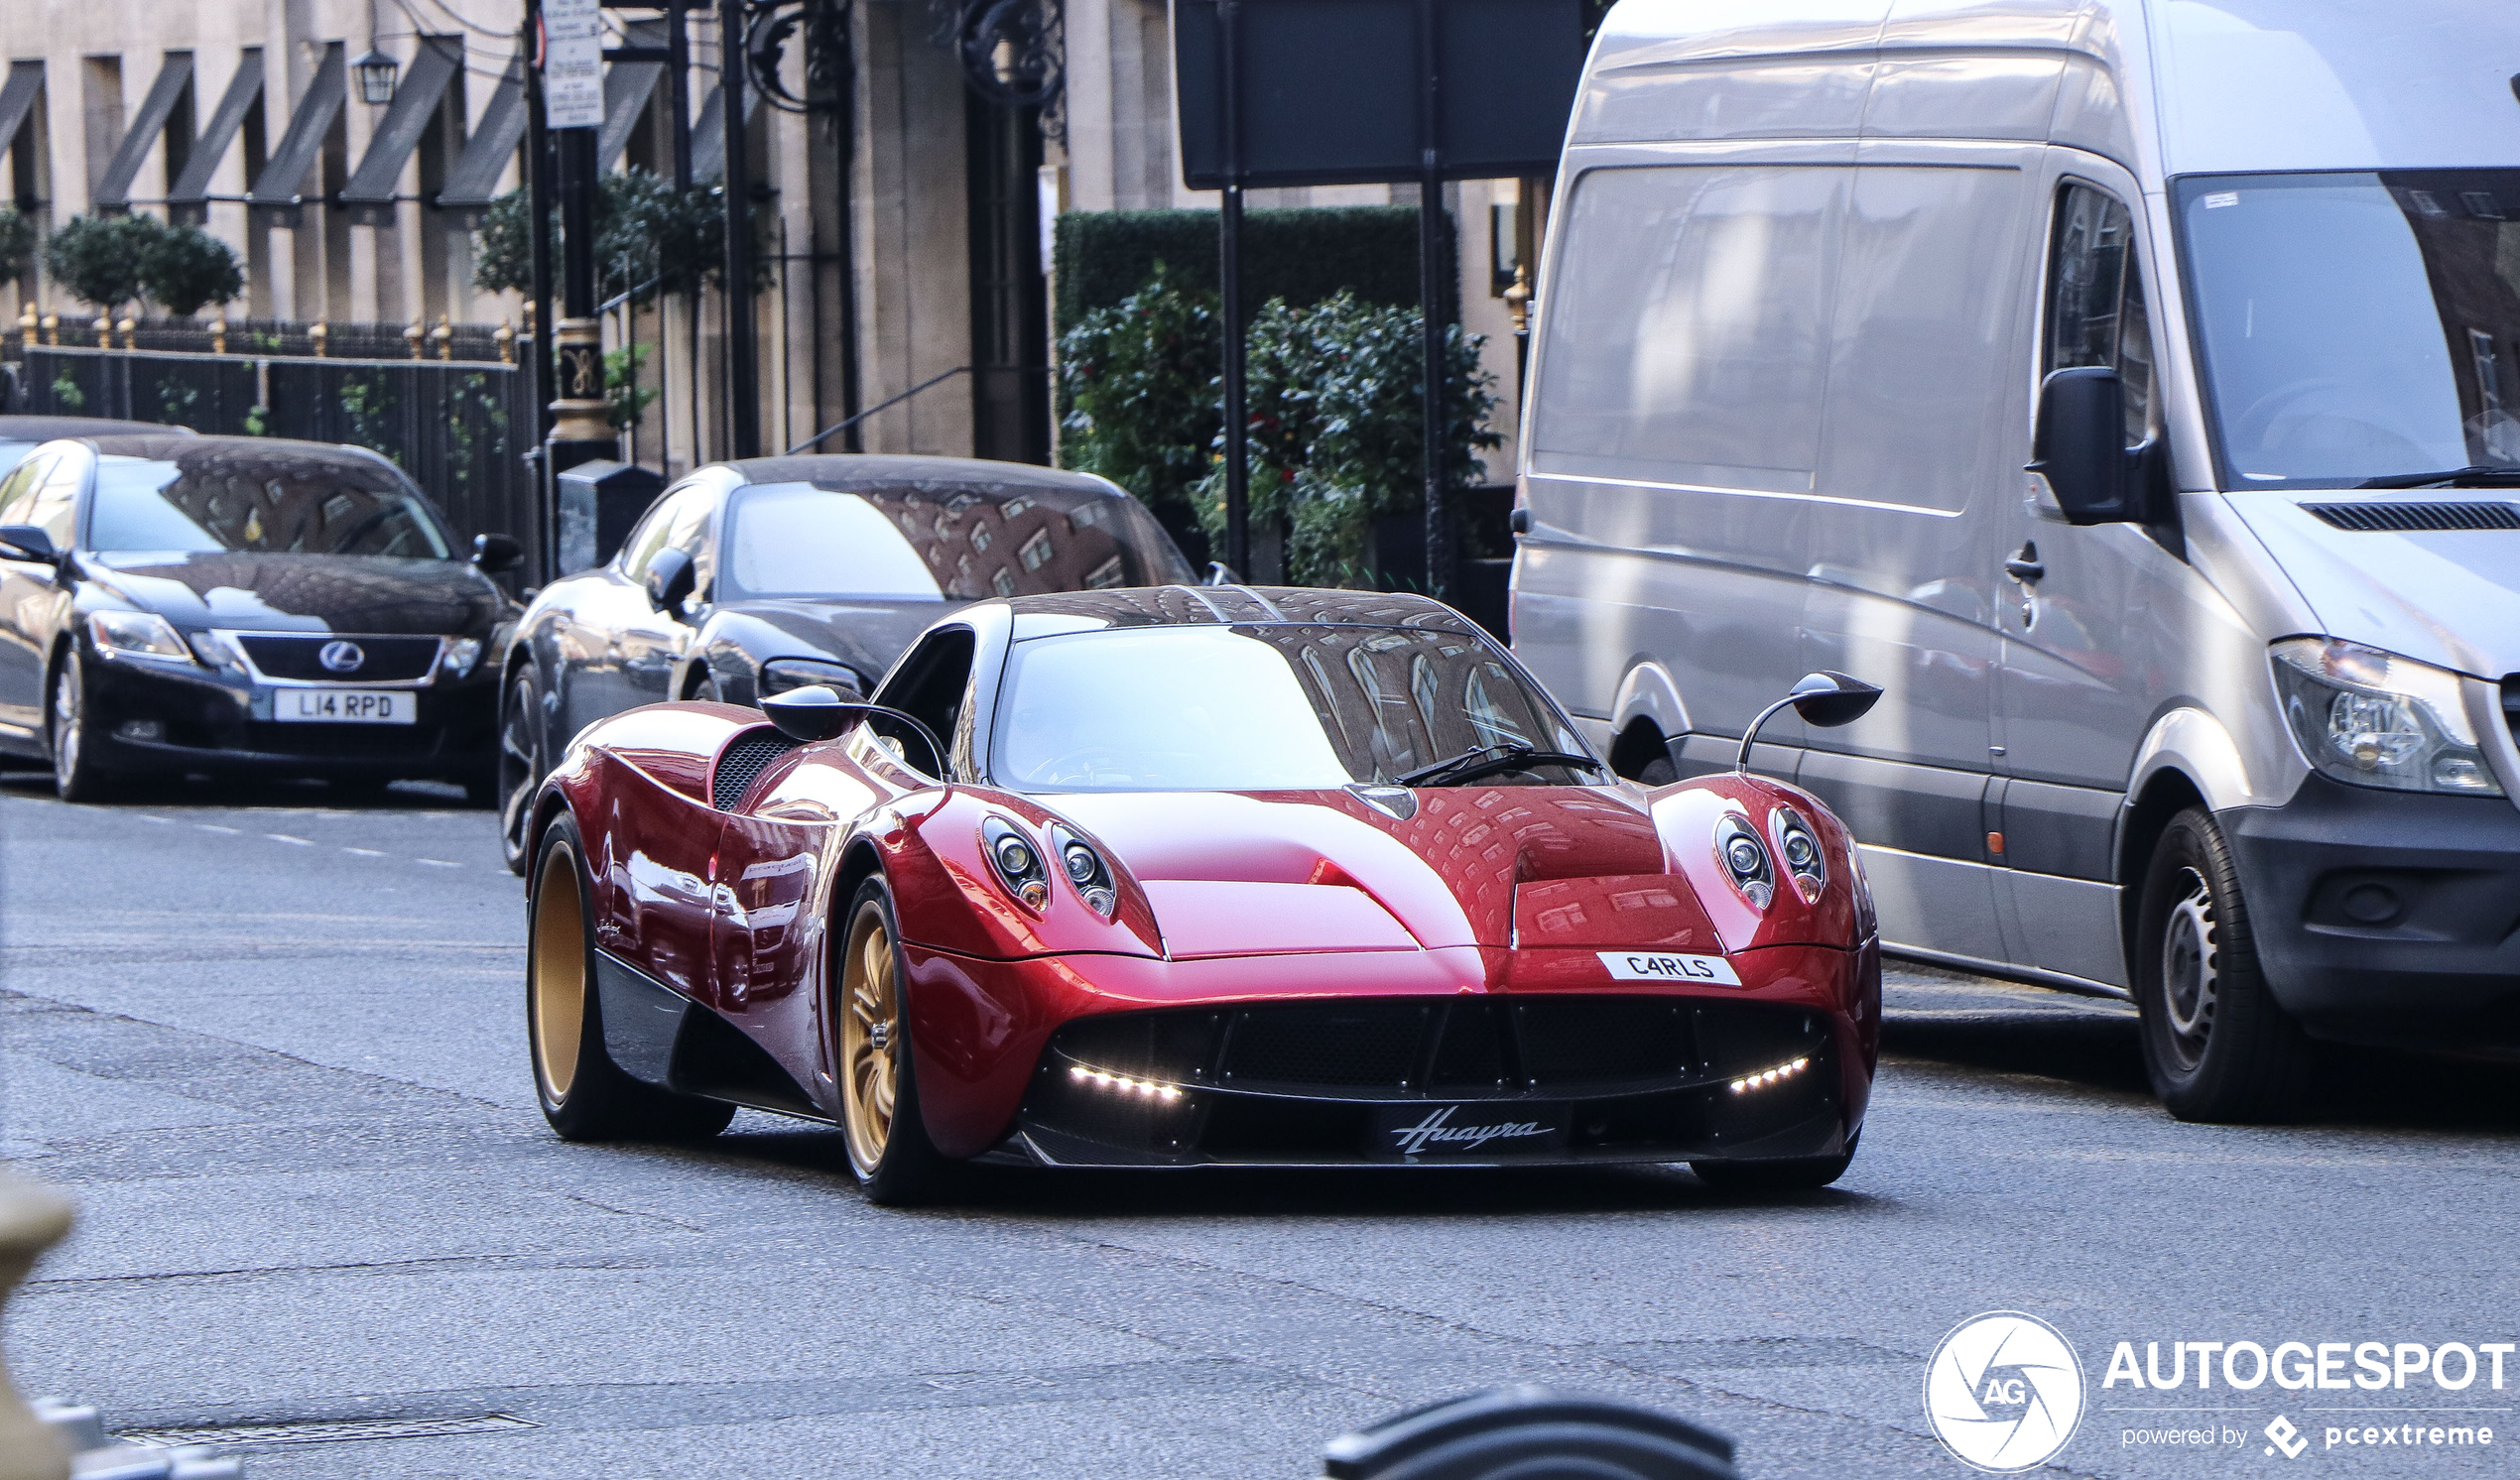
column 1198, row 876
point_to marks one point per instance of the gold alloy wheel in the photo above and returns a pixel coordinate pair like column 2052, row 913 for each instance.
column 559, row 965
column 870, row 1041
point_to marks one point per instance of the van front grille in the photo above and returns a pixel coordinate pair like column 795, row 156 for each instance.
column 2375, row 518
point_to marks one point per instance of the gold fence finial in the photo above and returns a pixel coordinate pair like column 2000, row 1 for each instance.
column 319, row 332
column 130, row 327
column 218, row 330
column 27, row 321
column 504, row 337
column 103, row 328
column 53, row 329
column 413, row 333
column 445, row 334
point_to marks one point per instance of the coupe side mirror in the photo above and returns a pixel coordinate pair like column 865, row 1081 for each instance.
column 493, row 554
column 2078, row 445
column 28, row 542
column 820, row 712
column 1825, row 699
column 671, row 578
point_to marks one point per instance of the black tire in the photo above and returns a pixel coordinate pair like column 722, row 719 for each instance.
column 521, row 765
column 584, row 1094
column 1789, row 1174
column 69, row 733
column 2216, row 1045
column 897, row 1166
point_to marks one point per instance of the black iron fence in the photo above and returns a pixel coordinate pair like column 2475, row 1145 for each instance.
column 459, row 429
column 270, row 336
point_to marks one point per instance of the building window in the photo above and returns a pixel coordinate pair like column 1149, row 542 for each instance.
column 1036, row 551
column 1106, row 575
column 981, row 537
column 1004, row 581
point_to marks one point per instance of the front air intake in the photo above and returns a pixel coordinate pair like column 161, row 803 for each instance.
column 2376, row 518
column 741, row 763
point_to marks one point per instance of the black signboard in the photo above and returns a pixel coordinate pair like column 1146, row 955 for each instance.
column 1331, row 90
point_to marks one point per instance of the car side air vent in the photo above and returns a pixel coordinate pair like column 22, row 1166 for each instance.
column 742, row 763
column 2375, row 516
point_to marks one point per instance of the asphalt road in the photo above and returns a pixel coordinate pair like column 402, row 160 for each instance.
column 276, row 1054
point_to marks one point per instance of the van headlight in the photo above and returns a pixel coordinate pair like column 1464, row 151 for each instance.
column 2376, row 719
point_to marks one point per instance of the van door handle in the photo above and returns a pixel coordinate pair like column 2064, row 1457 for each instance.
column 2024, row 566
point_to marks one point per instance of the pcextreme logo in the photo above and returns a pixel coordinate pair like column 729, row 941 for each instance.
column 2004, row 1391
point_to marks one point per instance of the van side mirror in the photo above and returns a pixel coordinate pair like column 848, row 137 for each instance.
column 28, row 542
column 495, row 553
column 2078, row 445
column 671, row 576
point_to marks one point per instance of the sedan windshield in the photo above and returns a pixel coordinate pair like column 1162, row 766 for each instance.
column 285, row 503
column 1269, row 707
column 2358, row 325
column 928, row 543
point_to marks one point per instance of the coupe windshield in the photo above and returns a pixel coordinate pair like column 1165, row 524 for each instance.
column 286, row 504
column 928, row 543
column 1272, row 707
column 2358, row 325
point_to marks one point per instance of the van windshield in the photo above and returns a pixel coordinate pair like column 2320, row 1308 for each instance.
column 2357, row 326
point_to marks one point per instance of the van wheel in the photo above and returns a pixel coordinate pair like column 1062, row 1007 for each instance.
column 2216, row 1045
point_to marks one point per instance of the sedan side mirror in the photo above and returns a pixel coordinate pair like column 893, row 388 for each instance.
column 671, row 578
column 1825, row 699
column 2079, row 445
column 28, row 542
column 495, row 553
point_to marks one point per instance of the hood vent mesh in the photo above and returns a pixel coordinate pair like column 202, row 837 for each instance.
column 2394, row 515
column 741, row 763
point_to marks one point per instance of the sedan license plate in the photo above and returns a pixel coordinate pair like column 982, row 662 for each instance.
column 344, row 706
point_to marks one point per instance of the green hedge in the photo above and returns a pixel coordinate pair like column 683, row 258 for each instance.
column 1302, row 255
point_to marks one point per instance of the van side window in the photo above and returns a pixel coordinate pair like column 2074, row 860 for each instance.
column 2095, row 298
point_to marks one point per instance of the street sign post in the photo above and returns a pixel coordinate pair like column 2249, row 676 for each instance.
column 1305, row 92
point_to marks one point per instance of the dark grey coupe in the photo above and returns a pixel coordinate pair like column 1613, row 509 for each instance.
column 754, row 577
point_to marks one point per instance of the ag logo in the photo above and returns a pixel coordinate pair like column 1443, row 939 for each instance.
column 2004, row 1391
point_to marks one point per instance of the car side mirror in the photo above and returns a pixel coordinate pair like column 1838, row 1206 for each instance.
column 671, row 576
column 1825, row 699
column 2079, row 444
column 493, row 554
column 28, row 542
column 820, row 712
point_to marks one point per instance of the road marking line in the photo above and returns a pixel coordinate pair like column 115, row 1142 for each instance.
column 437, row 863
column 281, row 837
column 145, row 817
column 366, row 853
column 215, row 828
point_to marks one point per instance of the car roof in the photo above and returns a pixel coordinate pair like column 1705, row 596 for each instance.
column 853, row 473
column 159, row 445
column 1211, row 606
column 47, row 429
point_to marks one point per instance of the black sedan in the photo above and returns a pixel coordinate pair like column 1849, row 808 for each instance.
column 176, row 604
column 754, row 577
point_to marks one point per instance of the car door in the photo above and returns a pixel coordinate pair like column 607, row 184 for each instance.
column 2090, row 616
column 26, row 591
column 620, row 647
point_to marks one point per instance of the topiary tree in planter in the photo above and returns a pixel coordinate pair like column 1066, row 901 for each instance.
column 187, row 267
column 102, row 260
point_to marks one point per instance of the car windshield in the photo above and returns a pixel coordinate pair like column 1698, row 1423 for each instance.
column 959, row 541
column 274, row 504
column 1265, row 707
column 2358, row 325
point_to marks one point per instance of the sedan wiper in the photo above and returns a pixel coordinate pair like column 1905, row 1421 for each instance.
column 1488, row 760
column 2482, row 475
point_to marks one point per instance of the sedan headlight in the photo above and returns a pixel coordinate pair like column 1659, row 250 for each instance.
column 139, row 634
column 780, row 674
column 2376, row 719
column 462, row 653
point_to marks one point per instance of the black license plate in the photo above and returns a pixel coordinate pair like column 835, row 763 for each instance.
column 1466, row 1131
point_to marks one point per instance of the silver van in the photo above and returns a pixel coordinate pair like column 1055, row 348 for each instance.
column 2132, row 389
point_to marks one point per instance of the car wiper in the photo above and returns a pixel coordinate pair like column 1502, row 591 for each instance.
column 2482, row 475
column 1488, row 760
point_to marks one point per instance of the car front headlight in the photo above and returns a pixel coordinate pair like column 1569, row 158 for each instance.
column 2376, row 720
column 139, row 634
column 462, row 653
